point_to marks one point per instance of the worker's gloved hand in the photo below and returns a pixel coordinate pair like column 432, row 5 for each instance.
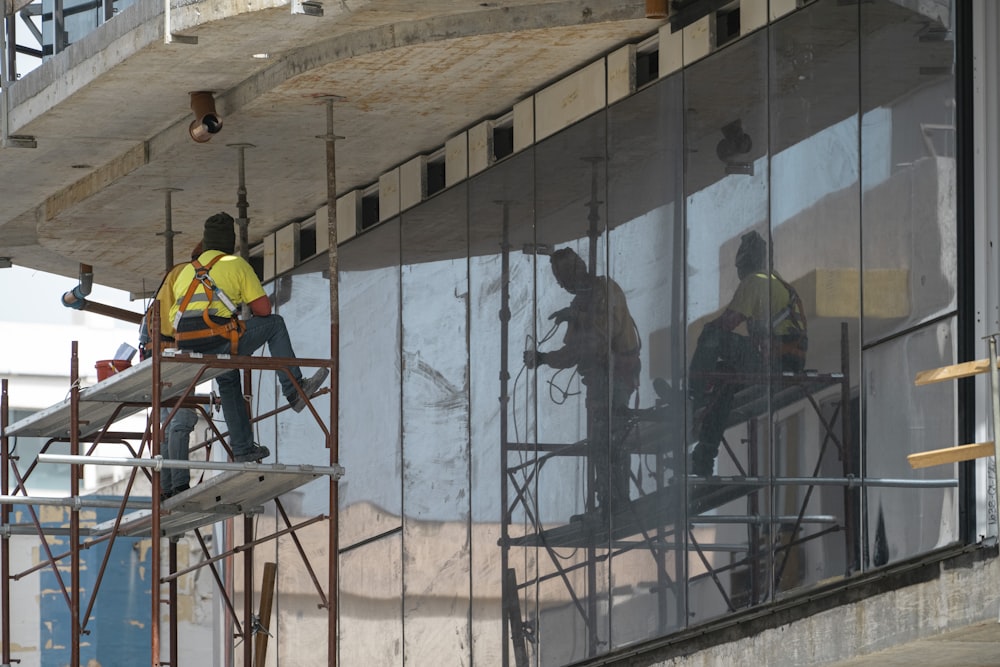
column 533, row 359
column 562, row 315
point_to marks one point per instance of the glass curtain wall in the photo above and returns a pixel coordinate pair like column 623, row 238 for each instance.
column 646, row 259
column 626, row 381
column 908, row 258
column 370, row 517
column 434, row 293
column 504, row 496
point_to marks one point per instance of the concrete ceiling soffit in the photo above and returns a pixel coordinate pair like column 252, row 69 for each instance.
column 76, row 220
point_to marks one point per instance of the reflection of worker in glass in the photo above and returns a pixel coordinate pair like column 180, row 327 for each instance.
column 779, row 337
column 602, row 342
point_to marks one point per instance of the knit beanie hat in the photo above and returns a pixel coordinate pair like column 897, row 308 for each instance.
column 220, row 234
column 569, row 269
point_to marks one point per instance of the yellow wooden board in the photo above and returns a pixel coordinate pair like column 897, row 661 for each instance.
column 955, row 372
column 951, row 455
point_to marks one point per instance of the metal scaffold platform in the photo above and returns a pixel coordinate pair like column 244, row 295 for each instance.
column 226, row 491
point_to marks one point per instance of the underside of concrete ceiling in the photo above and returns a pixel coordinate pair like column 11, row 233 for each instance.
column 110, row 115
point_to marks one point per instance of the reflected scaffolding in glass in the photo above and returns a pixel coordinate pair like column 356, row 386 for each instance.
column 504, row 511
column 646, row 258
column 730, row 299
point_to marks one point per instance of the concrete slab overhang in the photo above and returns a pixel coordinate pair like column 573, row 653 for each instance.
column 110, row 114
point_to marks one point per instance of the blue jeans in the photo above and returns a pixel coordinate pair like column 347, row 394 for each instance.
column 260, row 330
column 177, row 438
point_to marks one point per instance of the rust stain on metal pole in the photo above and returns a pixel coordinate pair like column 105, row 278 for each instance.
column 74, row 513
column 331, row 211
column 155, row 434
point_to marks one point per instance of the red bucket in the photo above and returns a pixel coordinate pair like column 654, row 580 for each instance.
column 108, row 367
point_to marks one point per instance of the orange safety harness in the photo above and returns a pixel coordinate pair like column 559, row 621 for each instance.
column 231, row 330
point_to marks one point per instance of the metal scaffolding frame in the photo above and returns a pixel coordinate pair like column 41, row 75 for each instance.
column 85, row 420
column 653, row 522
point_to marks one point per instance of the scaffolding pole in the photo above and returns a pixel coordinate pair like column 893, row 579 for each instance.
column 333, row 436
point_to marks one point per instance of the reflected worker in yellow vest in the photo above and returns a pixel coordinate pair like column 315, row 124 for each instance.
column 208, row 294
column 603, row 344
column 775, row 341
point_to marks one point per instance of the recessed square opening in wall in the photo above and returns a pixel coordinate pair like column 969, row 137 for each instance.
column 503, row 141
column 369, row 209
column 435, row 173
column 727, row 24
column 307, row 241
column 257, row 264
column 647, row 62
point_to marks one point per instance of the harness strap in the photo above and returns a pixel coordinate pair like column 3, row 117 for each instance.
column 231, row 330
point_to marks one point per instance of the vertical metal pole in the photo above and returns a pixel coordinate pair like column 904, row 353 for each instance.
column 594, row 232
column 59, row 36
column 172, row 604
column 4, row 84
column 4, row 522
column 168, row 232
column 334, row 544
column 593, row 215
column 248, row 624
column 508, row 590
column 74, row 512
column 853, row 498
column 154, row 535
column 995, row 398
column 242, row 206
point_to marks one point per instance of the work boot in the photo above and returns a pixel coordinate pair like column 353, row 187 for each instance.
column 309, row 388
column 255, row 454
column 703, row 460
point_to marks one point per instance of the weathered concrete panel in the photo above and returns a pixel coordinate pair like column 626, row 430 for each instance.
column 456, row 159
column 286, row 247
column 270, row 244
column 781, row 7
column 388, row 195
column 524, row 124
column 699, row 39
column 480, row 147
column 577, row 96
column 348, row 215
column 412, row 182
column 621, row 73
column 753, row 15
column 671, row 51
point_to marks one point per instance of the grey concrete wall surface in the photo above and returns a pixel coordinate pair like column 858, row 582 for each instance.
column 941, row 613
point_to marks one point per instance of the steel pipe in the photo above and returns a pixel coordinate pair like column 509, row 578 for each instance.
column 159, row 463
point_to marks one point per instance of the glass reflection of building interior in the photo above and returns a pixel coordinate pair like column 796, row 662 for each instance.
column 529, row 487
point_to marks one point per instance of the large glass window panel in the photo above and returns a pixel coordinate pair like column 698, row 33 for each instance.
column 371, row 489
column 504, row 509
column 815, row 230
column 301, row 618
column 303, row 300
column 728, row 323
column 646, row 258
column 902, row 419
column 436, row 492
column 573, row 301
column 908, row 165
column 370, row 622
